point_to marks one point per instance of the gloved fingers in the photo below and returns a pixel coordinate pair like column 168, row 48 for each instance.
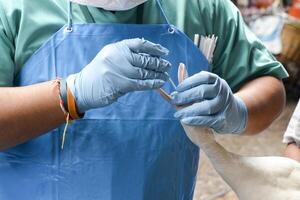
column 204, row 108
column 202, row 121
column 149, row 62
column 144, row 74
column 138, row 45
column 196, row 94
column 202, row 77
column 149, row 84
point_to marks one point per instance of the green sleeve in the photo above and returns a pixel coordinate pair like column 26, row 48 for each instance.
column 6, row 52
column 240, row 56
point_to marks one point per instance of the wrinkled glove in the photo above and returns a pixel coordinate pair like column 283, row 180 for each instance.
column 210, row 103
column 119, row 68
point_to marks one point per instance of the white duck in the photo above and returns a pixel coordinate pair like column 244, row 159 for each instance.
column 251, row 178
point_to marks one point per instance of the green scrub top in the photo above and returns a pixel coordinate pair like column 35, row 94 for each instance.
column 239, row 56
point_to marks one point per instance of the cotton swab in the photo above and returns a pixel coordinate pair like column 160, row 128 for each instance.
column 182, row 72
column 165, row 95
column 171, row 81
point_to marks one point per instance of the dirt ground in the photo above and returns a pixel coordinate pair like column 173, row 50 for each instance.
column 210, row 186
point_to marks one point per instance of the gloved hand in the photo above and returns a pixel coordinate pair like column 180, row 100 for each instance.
column 210, row 103
column 119, row 68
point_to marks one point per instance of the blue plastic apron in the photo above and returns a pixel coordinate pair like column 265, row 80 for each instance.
column 131, row 150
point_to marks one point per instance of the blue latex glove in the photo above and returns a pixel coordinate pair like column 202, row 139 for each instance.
column 119, row 68
column 210, row 103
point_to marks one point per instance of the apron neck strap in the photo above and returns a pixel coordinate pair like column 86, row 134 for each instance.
column 70, row 16
column 163, row 12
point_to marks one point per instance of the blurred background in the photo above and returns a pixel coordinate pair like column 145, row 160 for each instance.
column 277, row 24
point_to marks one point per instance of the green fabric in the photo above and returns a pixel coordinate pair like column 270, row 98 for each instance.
column 239, row 56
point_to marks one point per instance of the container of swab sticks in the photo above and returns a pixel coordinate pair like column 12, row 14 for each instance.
column 207, row 45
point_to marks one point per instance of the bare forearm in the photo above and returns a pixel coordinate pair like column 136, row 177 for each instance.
column 265, row 100
column 27, row 112
column 292, row 151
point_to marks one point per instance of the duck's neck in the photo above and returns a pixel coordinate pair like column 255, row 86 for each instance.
column 221, row 159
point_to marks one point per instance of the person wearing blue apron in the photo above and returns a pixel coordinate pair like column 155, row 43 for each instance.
column 125, row 141
column 129, row 146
